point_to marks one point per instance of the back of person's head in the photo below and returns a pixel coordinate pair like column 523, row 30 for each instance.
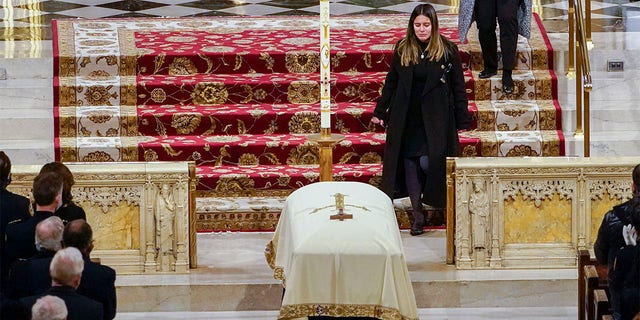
column 49, row 308
column 5, row 170
column 46, row 187
column 78, row 234
column 66, row 267
column 49, row 234
column 67, row 178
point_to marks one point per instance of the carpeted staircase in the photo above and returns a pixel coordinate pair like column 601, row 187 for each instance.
column 239, row 95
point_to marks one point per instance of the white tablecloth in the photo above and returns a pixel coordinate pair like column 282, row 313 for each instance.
column 341, row 268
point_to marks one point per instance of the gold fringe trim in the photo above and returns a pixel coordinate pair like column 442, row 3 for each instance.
column 341, row 310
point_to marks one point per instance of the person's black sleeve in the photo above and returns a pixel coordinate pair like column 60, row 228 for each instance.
column 383, row 105
column 601, row 246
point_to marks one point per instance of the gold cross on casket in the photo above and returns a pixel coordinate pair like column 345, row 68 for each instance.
column 340, row 207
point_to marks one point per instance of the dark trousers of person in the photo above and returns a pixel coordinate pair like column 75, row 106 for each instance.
column 614, row 294
column 415, row 178
column 486, row 12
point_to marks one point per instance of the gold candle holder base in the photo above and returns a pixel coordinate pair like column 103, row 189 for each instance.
column 326, row 140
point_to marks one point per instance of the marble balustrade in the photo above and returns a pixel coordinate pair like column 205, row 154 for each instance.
column 530, row 212
column 142, row 214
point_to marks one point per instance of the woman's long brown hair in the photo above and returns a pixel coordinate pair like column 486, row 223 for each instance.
column 409, row 47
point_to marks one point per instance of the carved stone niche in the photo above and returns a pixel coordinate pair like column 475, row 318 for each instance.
column 531, row 212
column 141, row 213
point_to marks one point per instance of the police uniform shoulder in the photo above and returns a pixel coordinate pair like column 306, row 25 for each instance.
column 17, row 220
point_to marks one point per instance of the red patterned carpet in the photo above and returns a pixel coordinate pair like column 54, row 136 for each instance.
column 238, row 95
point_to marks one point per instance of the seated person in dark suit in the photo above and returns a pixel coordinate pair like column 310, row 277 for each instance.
column 13, row 207
column 610, row 243
column 69, row 211
column 31, row 276
column 66, row 273
column 49, row 308
column 630, row 260
column 47, row 191
column 98, row 281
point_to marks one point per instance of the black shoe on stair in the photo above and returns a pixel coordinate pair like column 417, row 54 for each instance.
column 486, row 73
column 507, row 82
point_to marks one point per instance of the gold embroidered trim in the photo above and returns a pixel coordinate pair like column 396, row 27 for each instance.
column 341, row 310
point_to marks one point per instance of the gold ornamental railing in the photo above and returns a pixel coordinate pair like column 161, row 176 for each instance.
column 579, row 66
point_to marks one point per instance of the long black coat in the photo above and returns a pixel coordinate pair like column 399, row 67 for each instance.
column 98, row 283
column 444, row 112
column 13, row 208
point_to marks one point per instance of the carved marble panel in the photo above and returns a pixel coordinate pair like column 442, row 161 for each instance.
column 532, row 212
column 141, row 213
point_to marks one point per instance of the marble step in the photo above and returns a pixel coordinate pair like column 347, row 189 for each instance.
column 615, row 143
column 27, row 93
column 233, row 275
column 613, row 104
column 28, row 68
column 26, row 124
column 615, row 46
column 607, row 143
column 621, row 117
column 606, row 46
column 26, row 49
column 28, row 151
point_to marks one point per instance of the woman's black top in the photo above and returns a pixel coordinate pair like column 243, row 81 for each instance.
column 69, row 212
column 414, row 139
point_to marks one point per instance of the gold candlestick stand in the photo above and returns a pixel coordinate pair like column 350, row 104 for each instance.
column 326, row 140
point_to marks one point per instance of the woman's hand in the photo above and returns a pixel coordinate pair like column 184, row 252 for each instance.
column 375, row 120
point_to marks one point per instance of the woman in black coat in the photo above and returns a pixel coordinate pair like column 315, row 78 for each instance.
column 68, row 211
column 423, row 104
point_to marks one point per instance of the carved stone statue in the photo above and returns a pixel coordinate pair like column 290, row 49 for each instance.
column 479, row 210
column 165, row 228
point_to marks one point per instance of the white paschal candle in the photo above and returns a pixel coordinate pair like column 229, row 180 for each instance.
column 325, row 84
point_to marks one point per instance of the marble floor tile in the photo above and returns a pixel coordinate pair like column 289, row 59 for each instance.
column 92, row 12
column 254, row 10
column 173, row 10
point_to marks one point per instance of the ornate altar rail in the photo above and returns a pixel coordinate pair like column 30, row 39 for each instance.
column 530, row 212
column 142, row 214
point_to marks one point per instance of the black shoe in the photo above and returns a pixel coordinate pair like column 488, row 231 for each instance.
column 507, row 82
column 416, row 232
column 486, row 73
column 417, row 228
column 507, row 89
